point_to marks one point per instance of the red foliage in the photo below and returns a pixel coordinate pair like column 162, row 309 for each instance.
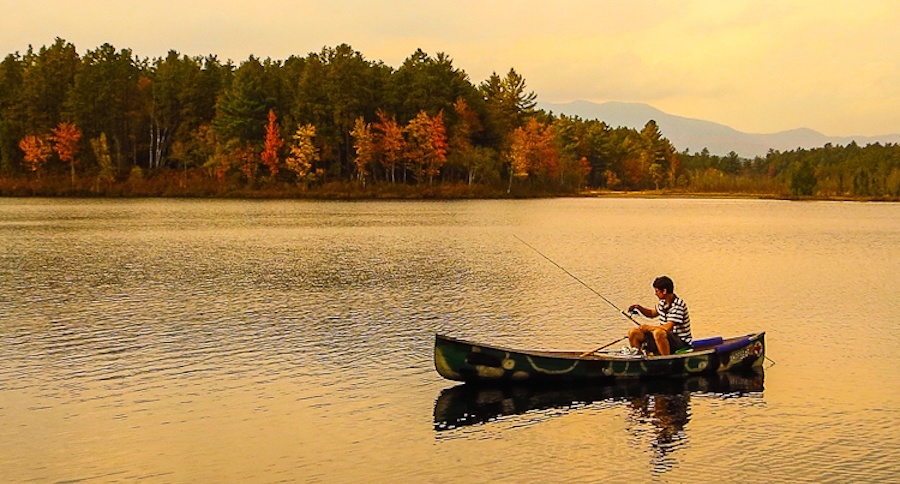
column 65, row 137
column 274, row 142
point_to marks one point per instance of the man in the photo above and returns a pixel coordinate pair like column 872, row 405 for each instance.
column 674, row 329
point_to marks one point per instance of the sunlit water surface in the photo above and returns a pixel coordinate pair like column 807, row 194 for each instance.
column 263, row 341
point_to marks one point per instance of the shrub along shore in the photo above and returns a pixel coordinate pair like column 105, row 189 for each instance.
column 196, row 185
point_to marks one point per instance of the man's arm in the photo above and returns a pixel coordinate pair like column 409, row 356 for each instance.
column 649, row 313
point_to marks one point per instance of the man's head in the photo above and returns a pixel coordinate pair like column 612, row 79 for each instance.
column 664, row 283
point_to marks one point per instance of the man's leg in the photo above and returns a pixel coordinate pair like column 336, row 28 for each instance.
column 635, row 337
column 661, row 337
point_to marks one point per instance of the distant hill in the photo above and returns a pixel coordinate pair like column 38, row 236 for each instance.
column 696, row 134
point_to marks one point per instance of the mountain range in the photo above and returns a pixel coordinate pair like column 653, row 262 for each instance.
column 696, row 134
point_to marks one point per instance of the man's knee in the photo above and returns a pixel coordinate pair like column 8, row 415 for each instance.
column 660, row 334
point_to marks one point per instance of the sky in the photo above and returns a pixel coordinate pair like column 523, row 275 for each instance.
column 759, row 66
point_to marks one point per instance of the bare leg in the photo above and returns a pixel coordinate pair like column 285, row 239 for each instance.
column 635, row 337
column 662, row 341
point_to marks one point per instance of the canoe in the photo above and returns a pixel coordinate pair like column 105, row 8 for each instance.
column 460, row 360
column 467, row 404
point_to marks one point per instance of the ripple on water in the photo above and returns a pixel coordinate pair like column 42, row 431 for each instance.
column 240, row 333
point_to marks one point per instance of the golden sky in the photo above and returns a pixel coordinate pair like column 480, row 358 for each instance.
column 758, row 66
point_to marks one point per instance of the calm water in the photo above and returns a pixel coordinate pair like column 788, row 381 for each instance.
column 204, row 341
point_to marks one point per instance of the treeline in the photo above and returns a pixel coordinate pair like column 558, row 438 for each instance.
column 110, row 123
column 870, row 172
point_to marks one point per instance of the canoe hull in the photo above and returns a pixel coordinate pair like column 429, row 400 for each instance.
column 460, row 360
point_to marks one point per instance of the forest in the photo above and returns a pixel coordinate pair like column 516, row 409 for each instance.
column 333, row 124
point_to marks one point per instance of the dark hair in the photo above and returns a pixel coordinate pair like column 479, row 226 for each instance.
column 663, row 282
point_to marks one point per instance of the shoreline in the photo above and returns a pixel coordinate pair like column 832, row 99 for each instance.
column 734, row 196
column 433, row 195
column 200, row 188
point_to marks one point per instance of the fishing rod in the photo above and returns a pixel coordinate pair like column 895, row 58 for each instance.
column 580, row 281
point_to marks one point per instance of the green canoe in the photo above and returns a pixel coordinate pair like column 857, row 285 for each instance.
column 460, row 360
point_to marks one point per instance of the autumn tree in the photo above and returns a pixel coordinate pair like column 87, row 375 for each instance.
column 364, row 143
column 303, row 152
column 439, row 146
column 426, row 145
column 461, row 148
column 65, row 139
column 532, row 152
column 635, row 163
column 273, row 143
column 245, row 158
column 37, row 150
column 390, row 143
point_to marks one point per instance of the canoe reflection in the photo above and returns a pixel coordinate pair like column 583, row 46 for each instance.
column 664, row 401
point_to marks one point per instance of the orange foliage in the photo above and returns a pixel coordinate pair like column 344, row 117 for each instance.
column 364, row 143
column 246, row 161
column 304, row 154
column 427, row 146
column 274, row 142
column 467, row 126
column 389, row 142
column 533, row 152
column 37, row 151
column 65, row 139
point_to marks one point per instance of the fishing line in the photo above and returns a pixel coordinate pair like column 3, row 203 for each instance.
column 579, row 280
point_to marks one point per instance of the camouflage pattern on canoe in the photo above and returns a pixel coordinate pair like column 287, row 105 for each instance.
column 460, row 360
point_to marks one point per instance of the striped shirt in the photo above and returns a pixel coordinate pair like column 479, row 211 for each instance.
column 678, row 315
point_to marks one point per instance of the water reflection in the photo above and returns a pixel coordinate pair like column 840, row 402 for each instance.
column 662, row 417
column 658, row 409
column 657, row 399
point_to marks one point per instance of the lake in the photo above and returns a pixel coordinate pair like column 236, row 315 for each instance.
column 271, row 341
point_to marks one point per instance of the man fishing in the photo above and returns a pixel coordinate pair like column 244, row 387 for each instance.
column 674, row 330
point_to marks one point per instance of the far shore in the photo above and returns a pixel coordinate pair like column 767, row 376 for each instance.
column 350, row 192
column 723, row 195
